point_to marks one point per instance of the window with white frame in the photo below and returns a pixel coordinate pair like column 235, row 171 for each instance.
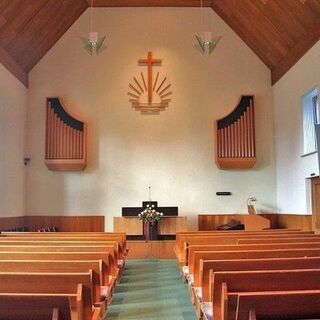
column 311, row 117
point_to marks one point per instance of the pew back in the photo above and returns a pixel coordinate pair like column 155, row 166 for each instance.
column 35, row 307
column 298, row 304
column 50, row 283
column 259, row 281
column 248, row 247
column 253, row 254
column 251, row 264
column 48, row 266
column 229, row 237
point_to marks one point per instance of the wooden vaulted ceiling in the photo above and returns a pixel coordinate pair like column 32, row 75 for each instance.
column 280, row 32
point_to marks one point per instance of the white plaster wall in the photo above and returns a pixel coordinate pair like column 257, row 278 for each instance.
column 293, row 189
column 174, row 151
column 12, row 144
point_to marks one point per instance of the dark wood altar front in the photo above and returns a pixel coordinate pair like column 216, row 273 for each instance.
column 168, row 225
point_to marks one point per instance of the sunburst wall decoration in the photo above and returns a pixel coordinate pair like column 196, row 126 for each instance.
column 147, row 95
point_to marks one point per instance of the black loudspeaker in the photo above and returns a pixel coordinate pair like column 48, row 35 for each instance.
column 318, row 143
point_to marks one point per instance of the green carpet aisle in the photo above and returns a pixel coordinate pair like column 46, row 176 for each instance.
column 151, row 290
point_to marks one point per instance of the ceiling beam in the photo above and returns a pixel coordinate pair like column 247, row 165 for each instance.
column 296, row 53
column 148, row 3
column 13, row 67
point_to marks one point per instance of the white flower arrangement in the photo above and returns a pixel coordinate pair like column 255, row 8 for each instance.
column 149, row 214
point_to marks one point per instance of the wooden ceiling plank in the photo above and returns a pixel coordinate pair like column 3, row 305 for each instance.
column 149, row 3
column 64, row 19
column 299, row 15
column 223, row 11
column 19, row 21
column 271, row 12
column 265, row 34
column 27, row 38
column 4, row 4
column 13, row 66
column 314, row 5
column 310, row 38
column 262, row 34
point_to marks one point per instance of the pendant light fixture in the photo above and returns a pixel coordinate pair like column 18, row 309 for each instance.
column 93, row 44
column 205, row 41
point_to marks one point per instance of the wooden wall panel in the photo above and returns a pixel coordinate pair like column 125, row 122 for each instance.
column 212, row 221
column 66, row 223
column 133, row 226
column 172, row 225
column 12, row 222
column 291, row 221
column 152, row 249
column 315, row 188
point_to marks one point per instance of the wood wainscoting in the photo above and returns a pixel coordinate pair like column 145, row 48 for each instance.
column 12, row 223
column 62, row 223
column 290, row 221
column 277, row 220
column 315, row 199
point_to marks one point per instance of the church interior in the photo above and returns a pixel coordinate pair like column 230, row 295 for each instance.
column 159, row 159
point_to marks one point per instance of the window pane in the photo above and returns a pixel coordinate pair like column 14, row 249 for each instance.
column 310, row 118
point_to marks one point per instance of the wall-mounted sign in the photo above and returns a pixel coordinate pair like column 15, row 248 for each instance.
column 147, row 95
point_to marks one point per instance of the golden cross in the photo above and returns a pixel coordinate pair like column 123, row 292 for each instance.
column 149, row 61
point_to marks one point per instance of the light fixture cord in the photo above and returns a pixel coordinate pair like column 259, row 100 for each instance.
column 91, row 15
column 201, row 14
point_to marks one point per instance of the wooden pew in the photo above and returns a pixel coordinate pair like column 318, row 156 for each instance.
column 68, row 247
column 227, row 240
column 110, row 262
column 278, row 240
column 250, row 264
column 194, row 265
column 99, row 277
column 38, row 307
column 120, row 238
column 274, row 305
column 51, row 283
column 10, row 240
column 73, row 256
column 259, row 281
column 253, row 254
column 181, row 239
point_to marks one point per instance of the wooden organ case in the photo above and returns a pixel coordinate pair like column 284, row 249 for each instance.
column 235, row 137
column 66, row 140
